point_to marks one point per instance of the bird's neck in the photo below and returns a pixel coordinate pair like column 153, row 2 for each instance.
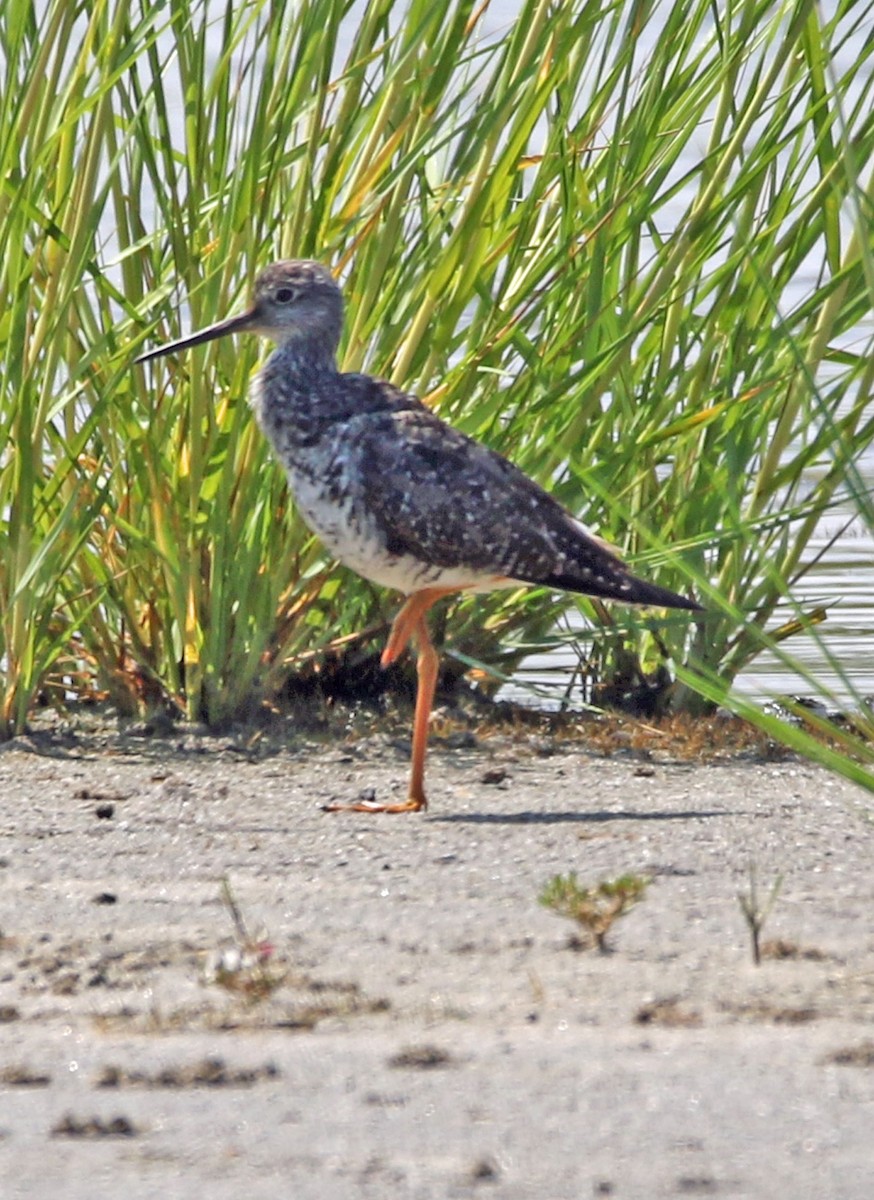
column 306, row 356
column 296, row 395
column 297, row 375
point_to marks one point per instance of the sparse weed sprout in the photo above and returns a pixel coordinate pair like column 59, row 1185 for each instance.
column 756, row 910
column 594, row 908
column 246, row 967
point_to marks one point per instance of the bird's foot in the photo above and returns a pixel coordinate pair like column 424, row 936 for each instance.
column 414, row 804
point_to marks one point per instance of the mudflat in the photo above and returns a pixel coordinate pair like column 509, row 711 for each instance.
column 379, row 1006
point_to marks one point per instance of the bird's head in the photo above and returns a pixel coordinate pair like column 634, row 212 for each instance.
column 294, row 300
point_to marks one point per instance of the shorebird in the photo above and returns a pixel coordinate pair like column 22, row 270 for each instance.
column 398, row 495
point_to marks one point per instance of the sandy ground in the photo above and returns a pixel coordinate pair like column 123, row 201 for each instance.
column 429, row 1030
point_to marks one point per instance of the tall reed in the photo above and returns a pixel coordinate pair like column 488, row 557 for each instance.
column 628, row 246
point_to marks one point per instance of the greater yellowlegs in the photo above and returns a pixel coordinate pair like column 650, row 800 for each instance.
column 398, row 495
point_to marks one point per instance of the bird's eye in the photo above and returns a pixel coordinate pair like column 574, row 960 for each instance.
column 284, row 295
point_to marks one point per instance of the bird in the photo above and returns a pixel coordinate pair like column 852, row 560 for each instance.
column 397, row 494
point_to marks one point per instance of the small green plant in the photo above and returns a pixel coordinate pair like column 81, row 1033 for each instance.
column 755, row 912
column 594, row 908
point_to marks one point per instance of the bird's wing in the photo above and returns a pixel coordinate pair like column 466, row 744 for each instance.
column 447, row 500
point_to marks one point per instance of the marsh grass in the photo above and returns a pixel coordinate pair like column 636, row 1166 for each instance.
column 628, row 246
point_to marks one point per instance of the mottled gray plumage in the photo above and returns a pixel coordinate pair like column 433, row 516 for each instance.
column 394, row 492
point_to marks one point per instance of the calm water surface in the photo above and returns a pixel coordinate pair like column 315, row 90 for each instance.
column 843, row 581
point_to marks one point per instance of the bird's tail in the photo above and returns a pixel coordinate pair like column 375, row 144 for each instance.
column 619, row 584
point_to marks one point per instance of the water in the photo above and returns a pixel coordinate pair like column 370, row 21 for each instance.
column 842, row 580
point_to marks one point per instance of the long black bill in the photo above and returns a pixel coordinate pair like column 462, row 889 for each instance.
column 240, row 324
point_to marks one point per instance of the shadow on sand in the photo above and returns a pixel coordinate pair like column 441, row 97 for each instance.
column 561, row 818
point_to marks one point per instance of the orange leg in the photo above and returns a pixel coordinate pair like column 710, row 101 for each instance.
column 406, row 623
column 427, row 668
column 410, row 622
